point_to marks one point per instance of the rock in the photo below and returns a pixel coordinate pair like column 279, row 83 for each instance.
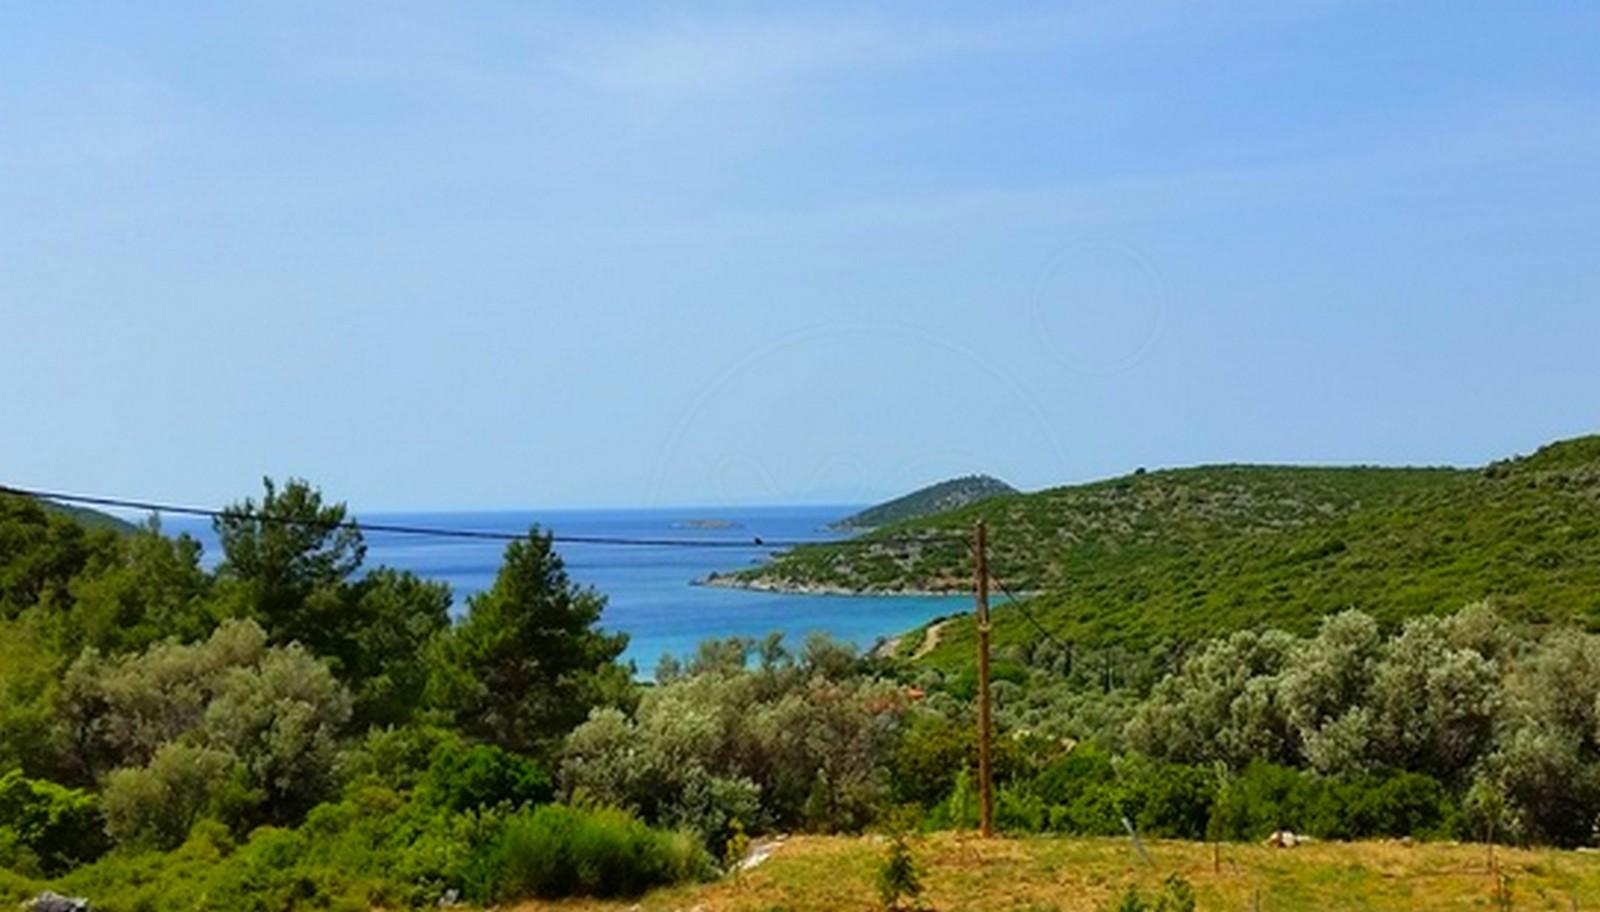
column 759, row 853
column 55, row 902
column 1283, row 839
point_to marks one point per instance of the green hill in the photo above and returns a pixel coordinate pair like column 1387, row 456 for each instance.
column 1187, row 553
column 86, row 517
column 935, row 498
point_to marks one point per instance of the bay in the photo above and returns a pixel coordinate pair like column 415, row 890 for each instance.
column 650, row 590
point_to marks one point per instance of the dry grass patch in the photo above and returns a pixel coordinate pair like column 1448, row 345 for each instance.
column 822, row 874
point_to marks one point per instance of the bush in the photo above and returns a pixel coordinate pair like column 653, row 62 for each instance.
column 959, row 809
column 276, row 871
column 376, row 849
column 14, row 888
column 1018, row 809
column 1266, row 798
column 776, row 747
column 396, row 758
column 1085, row 767
column 934, row 747
column 1086, row 792
column 279, row 710
column 1080, row 789
column 557, row 850
column 58, row 826
column 1167, row 799
column 154, row 806
column 929, row 754
column 965, row 684
column 1405, row 804
column 898, row 878
column 481, row 776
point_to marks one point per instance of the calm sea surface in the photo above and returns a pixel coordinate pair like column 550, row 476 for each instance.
column 649, row 591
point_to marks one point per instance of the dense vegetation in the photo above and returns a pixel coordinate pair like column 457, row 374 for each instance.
column 1465, row 726
column 952, row 494
column 296, row 729
column 1183, row 554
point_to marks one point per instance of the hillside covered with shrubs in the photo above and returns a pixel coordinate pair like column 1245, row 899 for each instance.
column 941, row 497
column 1184, row 554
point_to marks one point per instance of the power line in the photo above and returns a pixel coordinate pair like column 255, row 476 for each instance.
column 1023, row 607
column 1011, row 599
column 479, row 534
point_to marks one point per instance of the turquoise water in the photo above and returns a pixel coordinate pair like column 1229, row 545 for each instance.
column 649, row 590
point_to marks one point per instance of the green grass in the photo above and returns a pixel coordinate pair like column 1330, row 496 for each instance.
column 1188, row 553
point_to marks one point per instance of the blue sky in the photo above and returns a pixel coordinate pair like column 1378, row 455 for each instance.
column 505, row 255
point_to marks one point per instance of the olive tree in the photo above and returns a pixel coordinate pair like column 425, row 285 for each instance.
column 1325, row 688
column 1434, row 704
column 1547, row 763
column 1222, row 705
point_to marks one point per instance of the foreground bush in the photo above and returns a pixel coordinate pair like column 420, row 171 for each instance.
column 563, row 851
column 380, row 849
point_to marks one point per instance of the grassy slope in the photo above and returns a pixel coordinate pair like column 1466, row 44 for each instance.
column 1076, row 875
column 1194, row 552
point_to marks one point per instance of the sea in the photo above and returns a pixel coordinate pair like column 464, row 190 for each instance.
column 650, row 591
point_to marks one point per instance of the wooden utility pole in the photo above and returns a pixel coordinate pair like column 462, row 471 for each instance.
column 985, row 726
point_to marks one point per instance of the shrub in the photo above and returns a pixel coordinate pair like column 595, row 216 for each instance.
column 1266, row 798
column 965, row 683
column 1221, row 705
column 1085, row 792
column 557, row 850
column 735, row 849
column 279, row 710
column 1167, row 799
column 28, row 684
column 1018, row 809
column 649, row 767
column 14, row 888
column 154, row 806
column 959, row 810
column 1080, row 789
column 397, row 758
column 59, row 826
column 930, row 752
column 898, row 878
column 1065, row 780
column 483, row 776
column 780, row 746
column 1404, row 804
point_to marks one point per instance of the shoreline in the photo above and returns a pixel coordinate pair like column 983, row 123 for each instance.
column 780, row 587
column 783, row 587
